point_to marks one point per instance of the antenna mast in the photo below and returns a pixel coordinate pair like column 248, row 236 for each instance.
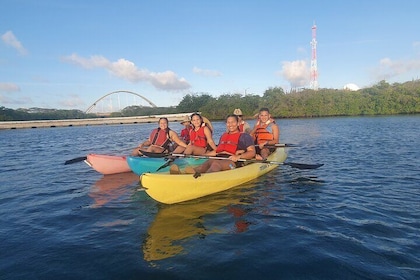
column 314, row 67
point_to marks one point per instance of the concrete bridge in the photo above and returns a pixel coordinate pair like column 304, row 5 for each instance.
column 86, row 122
column 115, row 104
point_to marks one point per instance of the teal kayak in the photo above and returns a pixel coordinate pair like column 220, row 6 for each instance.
column 140, row 165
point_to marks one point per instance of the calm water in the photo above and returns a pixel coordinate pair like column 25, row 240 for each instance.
column 357, row 217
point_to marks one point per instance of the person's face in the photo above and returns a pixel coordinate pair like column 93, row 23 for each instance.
column 163, row 124
column 196, row 121
column 231, row 124
column 264, row 116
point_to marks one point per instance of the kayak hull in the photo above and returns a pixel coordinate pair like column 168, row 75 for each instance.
column 175, row 188
column 107, row 164
column 140, row 165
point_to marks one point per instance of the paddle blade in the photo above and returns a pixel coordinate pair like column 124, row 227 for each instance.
column 166, row 164
column 303, row 165
column 78, row 159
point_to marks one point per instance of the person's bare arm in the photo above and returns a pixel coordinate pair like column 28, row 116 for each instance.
column 174, row 137
column 249, row 154
column 209, row 138
column 276, row 135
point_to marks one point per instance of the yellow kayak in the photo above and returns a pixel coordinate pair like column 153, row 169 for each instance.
column 173, row 188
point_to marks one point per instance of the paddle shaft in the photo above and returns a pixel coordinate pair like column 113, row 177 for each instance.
column 158, row 155
column 222, row 158
column 291, row 164
column 279, row 146
column 79, row 159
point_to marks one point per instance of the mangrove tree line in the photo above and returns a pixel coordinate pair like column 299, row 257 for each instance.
column 380, row 99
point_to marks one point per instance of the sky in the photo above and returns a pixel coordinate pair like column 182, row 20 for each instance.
column 68, row 54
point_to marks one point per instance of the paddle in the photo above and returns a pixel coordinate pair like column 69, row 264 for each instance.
column 154, row 155
column 166, row 164
column 279, row 146
column 291, row 164
column 148, row 154
column 78, row 159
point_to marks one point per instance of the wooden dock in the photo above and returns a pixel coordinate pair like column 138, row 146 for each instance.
column 87, row 122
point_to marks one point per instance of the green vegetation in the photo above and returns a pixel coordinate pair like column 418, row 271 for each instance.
column 41, row 114
column 380, row 99
column 131, row 111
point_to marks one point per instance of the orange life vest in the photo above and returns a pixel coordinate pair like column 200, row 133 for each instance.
column 198, row 138
column 160, row 137
column 228, row 143
column 264, row 132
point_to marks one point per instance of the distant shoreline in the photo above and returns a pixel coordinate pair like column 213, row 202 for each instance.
column 86, row 122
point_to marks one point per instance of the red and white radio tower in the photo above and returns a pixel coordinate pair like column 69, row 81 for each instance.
column 314, row 67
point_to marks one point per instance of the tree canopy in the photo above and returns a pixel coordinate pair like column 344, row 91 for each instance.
column 380, row 99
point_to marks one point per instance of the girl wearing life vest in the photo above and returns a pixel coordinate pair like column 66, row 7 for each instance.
column 233, row 145
column 265, row 132
column 200, row 137
column 161, row 139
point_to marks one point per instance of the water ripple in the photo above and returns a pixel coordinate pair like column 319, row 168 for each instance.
column 357, row 217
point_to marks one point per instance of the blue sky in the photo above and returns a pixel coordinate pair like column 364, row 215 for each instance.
column 68, row 54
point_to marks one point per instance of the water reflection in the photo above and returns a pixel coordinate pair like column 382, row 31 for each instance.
column 111, row 187
column 175, row 224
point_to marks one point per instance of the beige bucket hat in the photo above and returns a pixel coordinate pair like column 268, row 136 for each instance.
column 237, row 112
column 186, row 119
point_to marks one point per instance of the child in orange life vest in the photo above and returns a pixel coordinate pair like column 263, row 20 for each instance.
column 200, row 137
column 265, row 132
column 233, row 145
column 161, row 139
column 185, row 133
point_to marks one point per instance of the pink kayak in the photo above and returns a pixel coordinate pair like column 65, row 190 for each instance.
column 106, row 164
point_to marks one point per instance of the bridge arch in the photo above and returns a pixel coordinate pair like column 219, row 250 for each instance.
column 118, row 91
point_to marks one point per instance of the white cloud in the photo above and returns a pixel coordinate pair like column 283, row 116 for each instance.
column 168, row 80
column 297, row 73
column 94, row 61
column 127, row 70
column 389, row 68
column 10, row 39
column 9, row 87
column 207, row 72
